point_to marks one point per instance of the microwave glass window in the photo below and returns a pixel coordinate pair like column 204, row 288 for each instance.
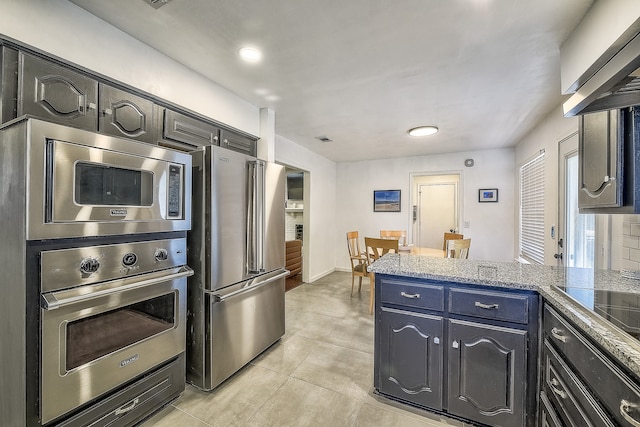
column 97, row 184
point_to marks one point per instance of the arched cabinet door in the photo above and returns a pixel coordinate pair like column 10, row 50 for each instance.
column 411, row 357
column 601, row 138
column 56, row 93
column 487, row 373
column 126, row 115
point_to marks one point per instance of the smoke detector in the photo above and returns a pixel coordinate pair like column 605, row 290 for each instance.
column 157, row 4
column 324, row 138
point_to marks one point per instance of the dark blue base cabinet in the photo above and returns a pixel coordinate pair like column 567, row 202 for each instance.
column 466, row 351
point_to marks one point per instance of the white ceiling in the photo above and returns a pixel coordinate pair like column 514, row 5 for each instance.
column 362, row 72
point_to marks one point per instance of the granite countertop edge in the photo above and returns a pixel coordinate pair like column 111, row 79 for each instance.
column 540, row 278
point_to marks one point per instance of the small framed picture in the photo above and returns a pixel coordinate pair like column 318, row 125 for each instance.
column 487, row 195
column 386, row 200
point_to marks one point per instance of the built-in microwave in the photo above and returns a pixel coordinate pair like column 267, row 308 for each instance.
column 82, row 184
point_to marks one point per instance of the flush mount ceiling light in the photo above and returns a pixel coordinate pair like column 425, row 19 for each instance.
column 422, row 131
column 250, row 54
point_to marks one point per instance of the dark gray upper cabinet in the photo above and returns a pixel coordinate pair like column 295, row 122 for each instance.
column 187, row 133
column 127, row 115
column 8, row 84
column 608, row 168
column 56, row 93
column 236, row 142
column 32, row 83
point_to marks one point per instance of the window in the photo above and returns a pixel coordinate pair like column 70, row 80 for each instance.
column 532, row 210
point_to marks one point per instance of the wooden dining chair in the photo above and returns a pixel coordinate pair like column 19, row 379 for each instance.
column 358, row 260
column 399, row 235
column 450, row 236
column 375, row 248
column 458, row 248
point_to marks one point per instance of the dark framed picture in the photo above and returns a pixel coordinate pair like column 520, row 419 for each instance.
column 487, row 195
column 386, row 200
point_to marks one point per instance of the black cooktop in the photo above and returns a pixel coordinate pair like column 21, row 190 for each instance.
column 620, row 308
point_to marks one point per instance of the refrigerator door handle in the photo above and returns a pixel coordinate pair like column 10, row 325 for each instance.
column 255, row 218
column 225, row 297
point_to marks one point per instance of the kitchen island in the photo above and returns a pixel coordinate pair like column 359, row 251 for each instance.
column 461, row 337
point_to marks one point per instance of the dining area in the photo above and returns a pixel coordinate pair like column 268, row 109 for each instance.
column 395, row 241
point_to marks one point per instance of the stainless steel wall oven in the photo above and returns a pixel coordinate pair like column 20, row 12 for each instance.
column 94, row 323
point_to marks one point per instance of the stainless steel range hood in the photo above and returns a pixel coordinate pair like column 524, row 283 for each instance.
column 615, row 85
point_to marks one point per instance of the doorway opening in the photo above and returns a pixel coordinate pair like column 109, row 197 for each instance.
column 577, row 232
column 435, row 208
column 297, row 192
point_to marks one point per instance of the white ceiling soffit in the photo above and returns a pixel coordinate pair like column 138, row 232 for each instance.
column 485, row 72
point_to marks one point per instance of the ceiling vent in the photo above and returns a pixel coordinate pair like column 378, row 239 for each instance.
column 324, row 138
column 157, row 4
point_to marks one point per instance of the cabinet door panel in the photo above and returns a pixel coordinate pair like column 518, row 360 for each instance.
column 411, row 357
column 600, row 163
column 57, row 94
column 189, row 131
column 236, row 142
column 126, row 115
column 487, row 373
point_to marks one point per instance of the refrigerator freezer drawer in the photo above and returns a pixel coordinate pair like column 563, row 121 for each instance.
column 241, row 326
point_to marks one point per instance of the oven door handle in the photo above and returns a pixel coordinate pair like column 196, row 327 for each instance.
column 224, row 297
column 55, row 300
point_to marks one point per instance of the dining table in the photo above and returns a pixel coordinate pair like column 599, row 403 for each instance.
column 424, row 251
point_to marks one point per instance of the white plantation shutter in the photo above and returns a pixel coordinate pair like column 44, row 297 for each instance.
column 532, row 210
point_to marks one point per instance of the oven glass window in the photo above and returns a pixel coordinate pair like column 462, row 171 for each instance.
column 97, row 184
column 92, row 337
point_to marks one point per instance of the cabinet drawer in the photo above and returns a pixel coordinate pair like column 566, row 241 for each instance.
column 575, row 404
column 503, row 306
column 429, row 297
column 613, row 388
column 548, row 416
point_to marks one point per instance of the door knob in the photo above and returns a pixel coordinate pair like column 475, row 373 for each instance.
column 558, row 256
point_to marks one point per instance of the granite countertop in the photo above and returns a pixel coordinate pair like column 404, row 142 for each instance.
column 540, row 278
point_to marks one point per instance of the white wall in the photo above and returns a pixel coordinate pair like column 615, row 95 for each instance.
column 546, row 136
column 62, row 29
column 492, row 224
column 320, row 206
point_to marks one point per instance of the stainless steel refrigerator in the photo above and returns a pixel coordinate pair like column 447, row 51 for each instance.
column 236, row 248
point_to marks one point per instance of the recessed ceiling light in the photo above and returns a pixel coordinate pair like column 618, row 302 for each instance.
column 250, row 54
column 422, row 131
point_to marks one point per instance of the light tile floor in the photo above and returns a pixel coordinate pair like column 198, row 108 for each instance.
column 319, row 374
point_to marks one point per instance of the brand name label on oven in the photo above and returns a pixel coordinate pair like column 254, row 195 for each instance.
column 129, row 360
column 118, row 212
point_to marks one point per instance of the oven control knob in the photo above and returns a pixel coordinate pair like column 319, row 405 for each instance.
column 161, row 254
column 89, row 265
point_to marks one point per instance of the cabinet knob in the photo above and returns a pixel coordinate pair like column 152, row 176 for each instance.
column 625, row 406
column 487, row 306
column 554, row 385
column 436, row 340
column 412, row 296
column 455, row 344
column 557, row 334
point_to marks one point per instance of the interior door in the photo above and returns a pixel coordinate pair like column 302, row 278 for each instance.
column 437, row 212
column 576, row 231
